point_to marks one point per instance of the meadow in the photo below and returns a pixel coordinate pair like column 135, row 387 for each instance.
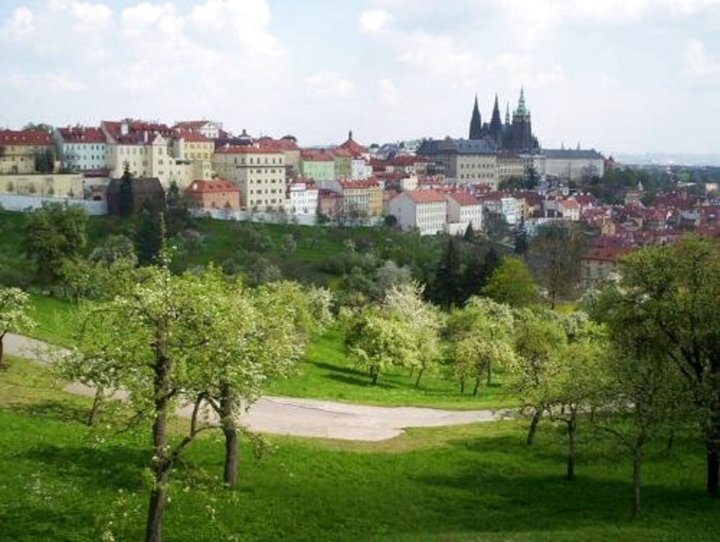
column 62, row 481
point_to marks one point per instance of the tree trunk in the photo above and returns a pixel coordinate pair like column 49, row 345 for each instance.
column 462, row 385
column 534, row 421
column 670, row 442
column 158, row 496
column 374, row 374
column 637, row 466
column 95, row 409
column 412, row 370
column 419, row 376
column 2, row 359
column 477, row 385
column 231, row 439
column 571, row 429
column 712, row 471
column 489, row 373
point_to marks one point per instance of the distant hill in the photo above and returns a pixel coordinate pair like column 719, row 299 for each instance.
column 670, row 159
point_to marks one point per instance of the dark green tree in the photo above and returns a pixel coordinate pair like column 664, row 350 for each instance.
column 178, row 212
column 45, row 161
column 560, row 248
column 149, row 233
column 447, row 287
column 53, row 233
column 125, row 196
column 521, row 241
column 469, row 233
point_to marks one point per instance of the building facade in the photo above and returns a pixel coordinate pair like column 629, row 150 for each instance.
column 423, row 210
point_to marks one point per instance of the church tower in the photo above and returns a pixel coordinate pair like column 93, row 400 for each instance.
column 475, row 122
column 496, row 126
column 521, row 138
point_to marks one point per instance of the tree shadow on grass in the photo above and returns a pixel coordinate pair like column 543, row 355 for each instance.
column 53, row 410
column 361, row 381
column 336, row 368
column 95, row 468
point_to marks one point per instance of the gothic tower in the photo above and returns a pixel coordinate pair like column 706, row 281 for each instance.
column 521, row 138
column 475, row 122
column 496, row 126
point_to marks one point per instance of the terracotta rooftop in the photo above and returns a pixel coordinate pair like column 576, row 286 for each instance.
column 312, row 155
column 277, row 144
column 425, row 196
column 464, row 198
column 25, row 137
column 192, row 137
column 82, row 134
column 243, row 149
column 216, row 185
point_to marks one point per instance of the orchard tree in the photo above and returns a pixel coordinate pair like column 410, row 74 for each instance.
column 13, row 315
column 511, row 283
column 539, row 339
column 668, row 295
column 480, row 335
column 424, row 321
column 560, row 247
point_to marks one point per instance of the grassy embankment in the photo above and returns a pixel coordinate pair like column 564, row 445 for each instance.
column 476, row 482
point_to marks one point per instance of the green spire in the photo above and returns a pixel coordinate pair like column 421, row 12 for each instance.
column 521, row 109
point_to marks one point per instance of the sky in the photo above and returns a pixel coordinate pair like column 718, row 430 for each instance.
column 621, row 76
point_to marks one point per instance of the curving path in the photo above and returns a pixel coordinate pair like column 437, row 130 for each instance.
column 304, row 417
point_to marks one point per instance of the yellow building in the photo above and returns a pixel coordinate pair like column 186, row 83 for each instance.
column 19, row 151
column 258, row 173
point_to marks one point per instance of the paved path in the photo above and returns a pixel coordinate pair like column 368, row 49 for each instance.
column 304, row 417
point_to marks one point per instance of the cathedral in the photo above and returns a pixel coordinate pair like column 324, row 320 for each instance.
column 515, row 136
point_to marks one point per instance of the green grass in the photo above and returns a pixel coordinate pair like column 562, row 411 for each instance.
column 326, row 373
column 476, row 482
column 55, row 319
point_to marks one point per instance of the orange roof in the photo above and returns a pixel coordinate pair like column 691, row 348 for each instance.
column 243, row 149
column 464, row 198
column 266, row 142
column 312, row 155
column 364, row 183
column 216, row 185
column 25, row 137
column 569, row 203
column 425, row 196
column 355, row 148
column 81, row 134
column 192, row 137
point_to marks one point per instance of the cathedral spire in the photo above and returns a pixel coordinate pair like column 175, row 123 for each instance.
column 521, row 109
column 495, row 122
column 507, row 113
column 475, row 122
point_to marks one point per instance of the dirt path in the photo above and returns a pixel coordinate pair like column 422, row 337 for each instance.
column 305, row 417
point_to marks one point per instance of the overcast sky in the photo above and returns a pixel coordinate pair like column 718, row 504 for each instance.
column 618, row 75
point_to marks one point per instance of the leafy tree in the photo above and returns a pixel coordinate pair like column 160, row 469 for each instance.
column 125, row 193
column 539, row 339
column 13, row 314
column 54, row 233
column 469, row 235
column 521, row 240
column 44, row 161
column 511, row 283
column 377, row 339
column 480, row 336
column 447, row 286
column 424, row 321
column 668, row 296
column 115, row 247
column 178, row 215
column 149, row 233
column 561, row 247
column 389, row 275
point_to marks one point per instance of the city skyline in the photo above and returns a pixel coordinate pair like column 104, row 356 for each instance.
column 623, row 77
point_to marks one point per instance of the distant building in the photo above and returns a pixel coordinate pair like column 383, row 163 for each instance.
column 464, row 161
column 511, row 136
column 463, row 209
column 214, row 194
column 206, row 128
column 19, row 151
column 573, row 164
column 82, row 148
column 318, row 165
column 424, row 210
column 258, row 173
column 143, row 190
column 302, row 198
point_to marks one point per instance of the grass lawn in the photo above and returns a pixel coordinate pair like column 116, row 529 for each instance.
column 327, row 374
column 54, row 319
column 58, row 481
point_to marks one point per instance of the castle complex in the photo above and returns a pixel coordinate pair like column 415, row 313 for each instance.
column 515, row 136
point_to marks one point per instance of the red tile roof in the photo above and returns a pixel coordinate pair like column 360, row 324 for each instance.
column 25, row 137
column 277, row 144
column 192, row 137
column 82, row 134
column 355, row 148
column 312, row 155
column 216, row 185
column 138, row 131
column 358, row 184
column 464, row 199
column 243, row 149
column 425, row 196
column 191, row 124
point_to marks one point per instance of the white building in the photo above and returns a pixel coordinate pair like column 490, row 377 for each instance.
column 207, row 128
column 573, row 165
column 510, row 210
column 463, row 209
column 302, row 198
column 424, row 210
column 360, row 169
column 569, row 209
column 81, row 148
column 258, row 173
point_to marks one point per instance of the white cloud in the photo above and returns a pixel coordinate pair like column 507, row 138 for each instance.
column 389, row 93
column 373, row 21
column 21, row 22
column 698, row 62
column 63, row 82
column 328, row 84
column 437, row 54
